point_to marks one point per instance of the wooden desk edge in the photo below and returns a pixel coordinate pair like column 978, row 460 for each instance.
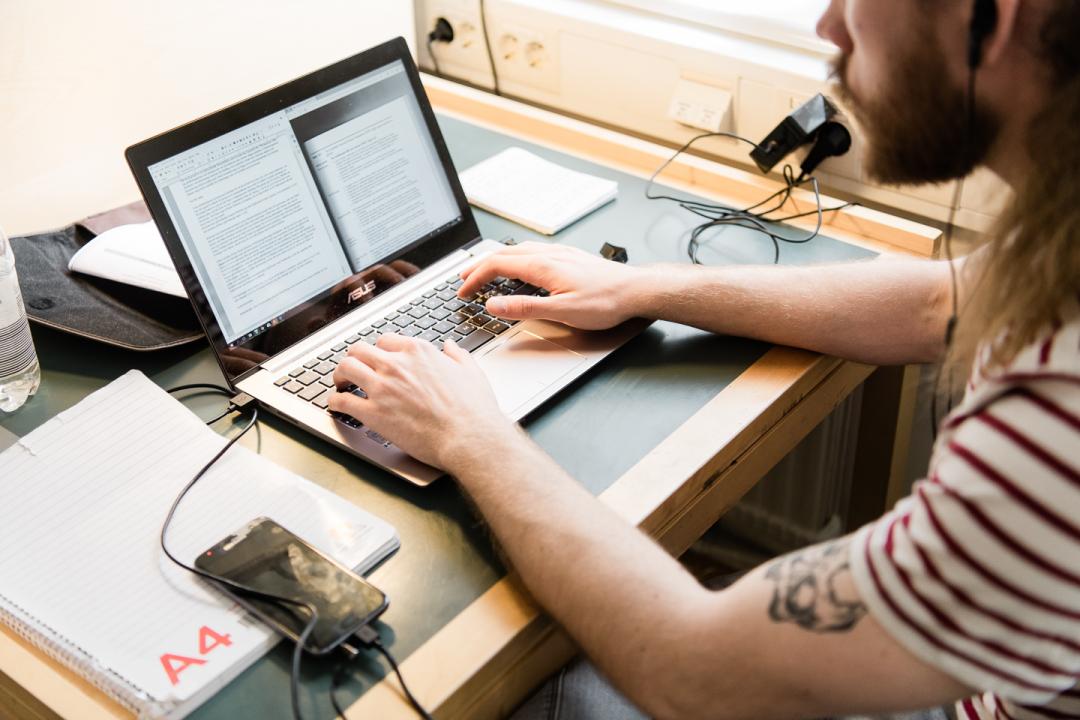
column 502, row 628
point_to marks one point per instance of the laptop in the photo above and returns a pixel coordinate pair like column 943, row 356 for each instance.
column 327, row 212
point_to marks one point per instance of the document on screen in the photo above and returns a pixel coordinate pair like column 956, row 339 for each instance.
column 254, row 222
column 377, row 181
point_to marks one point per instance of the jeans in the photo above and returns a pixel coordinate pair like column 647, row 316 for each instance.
column 579, row 692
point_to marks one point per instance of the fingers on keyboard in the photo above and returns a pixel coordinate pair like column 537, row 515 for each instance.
column 436, row 315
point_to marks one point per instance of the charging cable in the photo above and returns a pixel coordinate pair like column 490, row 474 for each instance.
column 444, row 33
column 367, row 636
column 239, row 403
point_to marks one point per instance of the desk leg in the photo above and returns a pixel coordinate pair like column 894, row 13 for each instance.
column 888, row 410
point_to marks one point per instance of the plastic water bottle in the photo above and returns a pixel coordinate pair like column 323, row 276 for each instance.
column 20, row 374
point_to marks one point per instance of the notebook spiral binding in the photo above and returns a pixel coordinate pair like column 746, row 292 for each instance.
column 59, row 648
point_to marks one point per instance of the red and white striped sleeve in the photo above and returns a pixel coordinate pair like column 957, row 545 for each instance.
column 978, row 571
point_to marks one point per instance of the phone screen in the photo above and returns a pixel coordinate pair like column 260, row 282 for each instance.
column 267, row 557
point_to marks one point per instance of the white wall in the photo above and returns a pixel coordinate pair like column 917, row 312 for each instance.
column 623, row 67
column 81, row 80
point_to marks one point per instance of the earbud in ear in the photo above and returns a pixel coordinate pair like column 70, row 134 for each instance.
column 983, row 21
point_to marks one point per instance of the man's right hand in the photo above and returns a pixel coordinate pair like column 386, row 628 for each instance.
column 585, row 291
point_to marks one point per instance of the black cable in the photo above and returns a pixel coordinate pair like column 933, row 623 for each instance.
column 207, row 387
column 950, row 328
column 431, row 54
column 221, row 389
column 335, row 682
column 397, row 671
column 487, row 46
column 339, row 674
column 954, row 317
column 442, row 32
column 808, row 213
column 680, row 151
column 757, row 223
column 369, row 638
column 724, row 212
column 366, row 635
column 294, row 679
column 219, row 417
column 750, row 218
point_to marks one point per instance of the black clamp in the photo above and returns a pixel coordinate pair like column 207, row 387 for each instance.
column 614, row 253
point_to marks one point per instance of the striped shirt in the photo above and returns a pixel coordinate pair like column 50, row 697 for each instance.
column 977, row 572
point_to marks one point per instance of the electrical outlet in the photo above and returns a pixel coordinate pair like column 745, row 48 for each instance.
column 466, row 55
column 509, row 46
column 701, row 106
column 536, row 55
column 467, row 35
column 525, row 55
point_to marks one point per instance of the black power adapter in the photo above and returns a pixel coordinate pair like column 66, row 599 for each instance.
column 794, row 131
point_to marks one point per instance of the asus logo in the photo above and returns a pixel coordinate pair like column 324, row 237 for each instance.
column 362, row 293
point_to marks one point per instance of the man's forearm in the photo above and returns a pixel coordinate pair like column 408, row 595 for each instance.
column 883, row 312
column 672, row 647
column 619, row 595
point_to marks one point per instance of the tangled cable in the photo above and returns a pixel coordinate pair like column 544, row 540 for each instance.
column 752, row 217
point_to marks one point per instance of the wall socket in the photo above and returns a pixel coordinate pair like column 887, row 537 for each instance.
column 465, row 56
column 702, row 106
column 525, row 54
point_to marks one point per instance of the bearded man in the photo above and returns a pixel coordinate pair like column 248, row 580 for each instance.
column 962, row 601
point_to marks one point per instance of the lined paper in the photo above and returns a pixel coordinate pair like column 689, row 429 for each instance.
column 82, row 500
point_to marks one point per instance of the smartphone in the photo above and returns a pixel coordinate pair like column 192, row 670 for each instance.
column 265, row 556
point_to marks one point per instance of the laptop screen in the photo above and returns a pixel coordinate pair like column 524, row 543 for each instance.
column 320, row 196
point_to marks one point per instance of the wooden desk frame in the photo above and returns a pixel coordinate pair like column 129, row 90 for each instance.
column 489, row 657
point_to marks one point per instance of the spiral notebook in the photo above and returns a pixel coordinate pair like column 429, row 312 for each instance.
column 82, row 499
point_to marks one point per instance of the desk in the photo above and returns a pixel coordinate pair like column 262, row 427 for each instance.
column 670, row 432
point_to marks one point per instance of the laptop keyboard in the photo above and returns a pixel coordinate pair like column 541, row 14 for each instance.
column 435, row 315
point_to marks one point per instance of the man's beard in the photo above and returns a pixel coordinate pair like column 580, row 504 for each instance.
column 919, row 130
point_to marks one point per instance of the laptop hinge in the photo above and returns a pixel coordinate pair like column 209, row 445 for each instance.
column 340, row 326
column 472, row 243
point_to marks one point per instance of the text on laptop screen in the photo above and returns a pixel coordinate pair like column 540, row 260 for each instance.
column 278, row 212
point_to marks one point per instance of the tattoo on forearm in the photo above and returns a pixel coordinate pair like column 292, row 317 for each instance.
column 814, row 589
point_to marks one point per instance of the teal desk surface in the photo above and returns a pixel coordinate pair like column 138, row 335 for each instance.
column 597, row 429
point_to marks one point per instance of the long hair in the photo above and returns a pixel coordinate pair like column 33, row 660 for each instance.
column 1031, row 269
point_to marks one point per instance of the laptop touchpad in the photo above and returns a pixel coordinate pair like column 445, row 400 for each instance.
column 524, row 366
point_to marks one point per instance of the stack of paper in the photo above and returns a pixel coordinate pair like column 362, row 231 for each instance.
column 533, row 192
